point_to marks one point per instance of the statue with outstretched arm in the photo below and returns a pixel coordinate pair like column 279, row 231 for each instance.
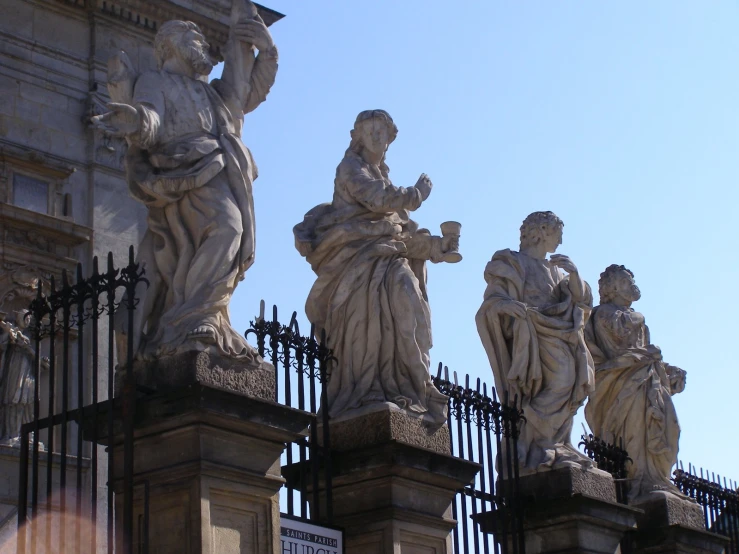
column 186, row 162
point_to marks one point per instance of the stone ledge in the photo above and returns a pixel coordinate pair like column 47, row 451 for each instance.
column 676, row 539
column 199, row 404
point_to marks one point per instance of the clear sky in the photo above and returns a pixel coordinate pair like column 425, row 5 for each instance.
column 621, row 117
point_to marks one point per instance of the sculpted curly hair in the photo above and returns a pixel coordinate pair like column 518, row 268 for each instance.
column 536, row 225
column 608, row 282
column 164, row 47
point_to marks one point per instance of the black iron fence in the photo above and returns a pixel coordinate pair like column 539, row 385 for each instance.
column 611, row 458
column 484, row 430
column 719, row 499
column 60, row 465
column 58, row 508
column 301, row 364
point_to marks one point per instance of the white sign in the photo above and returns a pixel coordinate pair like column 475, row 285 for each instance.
column 300, row 537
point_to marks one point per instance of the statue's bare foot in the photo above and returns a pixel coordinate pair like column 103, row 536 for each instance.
column 203, row 332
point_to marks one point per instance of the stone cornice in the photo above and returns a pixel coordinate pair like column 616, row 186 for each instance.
column 211, row 15
column 60, row 231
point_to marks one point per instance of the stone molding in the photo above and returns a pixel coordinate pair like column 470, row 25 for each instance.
column 211, row 15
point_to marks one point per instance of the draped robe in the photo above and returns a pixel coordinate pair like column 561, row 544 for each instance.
column 189, row 166
column 541, row 359
column 17, row 383
column 632, row 402
column 370, row 292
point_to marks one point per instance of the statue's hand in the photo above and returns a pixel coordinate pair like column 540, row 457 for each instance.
column 424, row 186
column 123, row 120
column 514, row 308
column 253, row 31
column 563, row 262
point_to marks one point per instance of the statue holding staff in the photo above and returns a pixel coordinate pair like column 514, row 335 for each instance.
column 186, row 162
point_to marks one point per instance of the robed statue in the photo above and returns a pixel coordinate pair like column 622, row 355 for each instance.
column 370, row 293
column 186, row 162
column 632, row 403
column 531, row 324
column 17, row 378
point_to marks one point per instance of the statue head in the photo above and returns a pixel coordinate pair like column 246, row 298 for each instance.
column 182, row 40
column 616, row 285
column 22, row 319
column 374, row 130
column 542, row 227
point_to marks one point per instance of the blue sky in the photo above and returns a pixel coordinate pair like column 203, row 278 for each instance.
column 620, row 117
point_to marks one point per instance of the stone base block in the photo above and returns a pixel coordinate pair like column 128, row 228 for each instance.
column 570, row 510
column 381, row 423
column 662, row 509
column 211, row 460
column 670, row 524
column 569, row 481
column 676, row 539
column 397, row 498
column 250, row 378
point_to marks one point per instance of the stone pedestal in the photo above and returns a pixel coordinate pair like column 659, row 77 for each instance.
column 381, row 423
column 390, row 494
column 670, row 524
column 250, row 378
column 570, row 510
column 210, row 460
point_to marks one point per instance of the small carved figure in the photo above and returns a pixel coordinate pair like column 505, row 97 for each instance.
column 633, row 386
column 17, row 380
column 370, row 295
column 531, row 325
column 186, row 162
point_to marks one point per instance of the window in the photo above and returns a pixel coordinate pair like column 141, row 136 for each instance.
column 30, row 193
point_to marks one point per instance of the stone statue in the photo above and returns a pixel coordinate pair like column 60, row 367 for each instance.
column 187, row 164
column 633, row 386
column 531, row 325
column 17, row 380
column 370, row 294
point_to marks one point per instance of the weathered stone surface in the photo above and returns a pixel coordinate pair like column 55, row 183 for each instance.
column 397, row 498
column 632, row 402
column 569, row 481
column 383, row 423
column 370, row 297
column 531, row 325
column 570, row 510
column 675, row 539
column 662, row 509
column 212, row 461
column 256, row 380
